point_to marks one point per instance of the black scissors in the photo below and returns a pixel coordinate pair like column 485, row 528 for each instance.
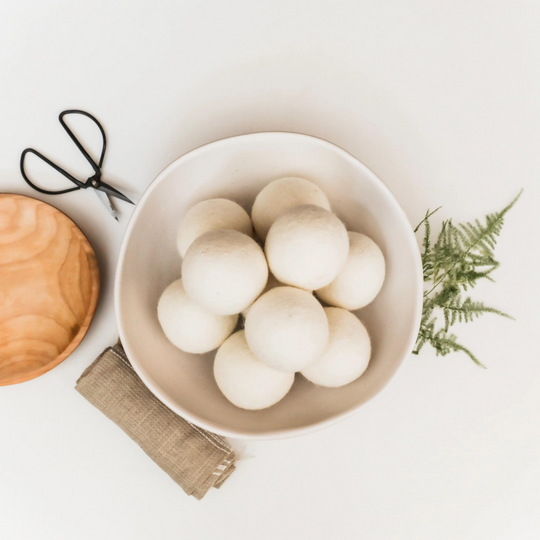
column 103, row 190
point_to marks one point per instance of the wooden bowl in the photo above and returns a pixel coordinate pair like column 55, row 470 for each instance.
column 49, row 287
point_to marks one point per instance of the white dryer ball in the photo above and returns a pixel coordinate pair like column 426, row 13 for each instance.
column 287, row 329
column 307, row 247
column 361, row 278
column 280, row 195
column 189, row 327
column 224, row 271
column 244, row 380
column 272, row 283
column 211, row 215
column 347, row 354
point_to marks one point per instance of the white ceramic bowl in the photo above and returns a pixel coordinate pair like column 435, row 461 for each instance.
column 238, row 168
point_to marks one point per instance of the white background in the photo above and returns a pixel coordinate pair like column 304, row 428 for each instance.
column 442, row 101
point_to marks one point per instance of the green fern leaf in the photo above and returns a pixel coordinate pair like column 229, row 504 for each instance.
column 455, row 244
column 461, row 256
column 427, row 263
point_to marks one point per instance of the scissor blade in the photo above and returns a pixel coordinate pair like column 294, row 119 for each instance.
column 109, row 190
column 102, row 196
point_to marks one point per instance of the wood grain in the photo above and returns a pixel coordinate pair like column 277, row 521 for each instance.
column 49, row 287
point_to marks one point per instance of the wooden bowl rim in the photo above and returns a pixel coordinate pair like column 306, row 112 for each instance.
column 16, row 379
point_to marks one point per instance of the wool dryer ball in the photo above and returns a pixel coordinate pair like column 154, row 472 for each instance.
column 287, row 329
column 347, row 354
column 224, row 271
column 211, row 215
column 361, row 278
column 280, row 195
column 189, row 327
column 246, row 381
column 306, row 247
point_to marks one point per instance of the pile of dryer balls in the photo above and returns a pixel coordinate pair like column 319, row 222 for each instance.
column 225, row 273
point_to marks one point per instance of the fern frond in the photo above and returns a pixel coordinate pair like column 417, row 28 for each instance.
column 427, row 264
column 426, row 218
column 445, row 343
column 461, row 241
column 456, row 309
column 461, row 256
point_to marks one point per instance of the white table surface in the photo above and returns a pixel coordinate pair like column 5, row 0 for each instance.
column 442, row 101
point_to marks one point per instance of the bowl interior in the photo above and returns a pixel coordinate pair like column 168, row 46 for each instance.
column 238, row 168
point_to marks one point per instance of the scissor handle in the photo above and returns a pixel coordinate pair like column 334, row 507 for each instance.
column 95, row 166
column 93, row 180
column 77, row 183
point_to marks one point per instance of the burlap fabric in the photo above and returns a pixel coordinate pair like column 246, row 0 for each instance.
column 195, row 459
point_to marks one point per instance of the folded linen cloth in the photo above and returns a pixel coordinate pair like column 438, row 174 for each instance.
column 195, row 459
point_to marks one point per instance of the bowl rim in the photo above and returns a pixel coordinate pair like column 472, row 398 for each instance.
column 276, row 433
